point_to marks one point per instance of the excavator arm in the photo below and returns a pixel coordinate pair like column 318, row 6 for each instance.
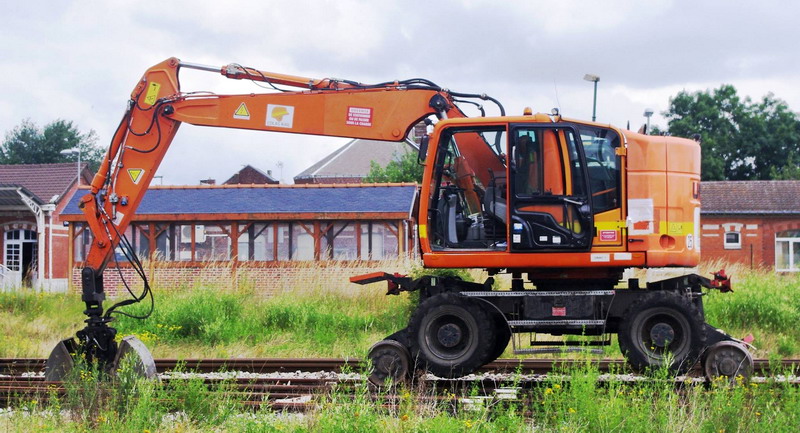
column 158, row 106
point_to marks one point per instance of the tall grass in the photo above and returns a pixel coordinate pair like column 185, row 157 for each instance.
column 287, row 324
column 764, row 304
column 574, row 399
column 329, row 317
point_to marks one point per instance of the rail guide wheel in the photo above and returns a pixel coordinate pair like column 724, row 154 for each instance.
column 130, row 353
column 727, row 359
column 390, row 361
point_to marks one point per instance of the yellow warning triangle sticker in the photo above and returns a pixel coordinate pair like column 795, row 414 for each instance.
column 242, row 112
column 135, row 174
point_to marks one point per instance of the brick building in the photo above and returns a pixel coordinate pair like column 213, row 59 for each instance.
column 752, row 222
column 223, row 233
column 31, row 232
column 351, row 162
column 250, row 175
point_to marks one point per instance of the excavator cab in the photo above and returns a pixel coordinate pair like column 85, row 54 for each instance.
column 517, row 187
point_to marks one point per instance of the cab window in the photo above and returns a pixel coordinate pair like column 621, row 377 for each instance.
column 603, row 166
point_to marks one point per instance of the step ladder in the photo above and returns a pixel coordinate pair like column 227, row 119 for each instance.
column 587, row 344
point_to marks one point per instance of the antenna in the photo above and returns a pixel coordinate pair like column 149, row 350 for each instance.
column 555, row 88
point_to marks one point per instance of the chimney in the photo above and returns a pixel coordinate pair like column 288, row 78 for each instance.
column 269, row 172
column 208, row 181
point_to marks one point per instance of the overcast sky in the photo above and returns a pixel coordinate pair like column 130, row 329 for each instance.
column 79, row 60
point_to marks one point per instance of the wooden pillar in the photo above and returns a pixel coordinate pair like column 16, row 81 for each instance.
column 401, row 235
column 317, row 240
column 70, row 254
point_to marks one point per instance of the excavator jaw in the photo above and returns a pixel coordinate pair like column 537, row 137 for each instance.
column 128, row 353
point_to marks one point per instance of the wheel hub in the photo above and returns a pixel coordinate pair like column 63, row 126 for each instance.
column 727, row 367
column 449, row 335
column 662, row 334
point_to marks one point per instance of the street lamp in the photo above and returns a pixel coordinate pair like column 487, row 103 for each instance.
column 648, row 113
column 594, row 79
column 73, row 151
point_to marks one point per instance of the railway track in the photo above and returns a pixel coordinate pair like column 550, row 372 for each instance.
column 300, row 384
column 16, row 366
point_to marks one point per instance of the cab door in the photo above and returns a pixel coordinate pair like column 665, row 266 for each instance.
column 550, row 202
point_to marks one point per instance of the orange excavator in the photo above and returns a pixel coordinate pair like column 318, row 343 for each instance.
column 562, row 206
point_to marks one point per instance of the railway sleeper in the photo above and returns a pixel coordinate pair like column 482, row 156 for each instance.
column 460, row 326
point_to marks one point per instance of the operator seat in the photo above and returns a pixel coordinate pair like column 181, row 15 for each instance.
column 493, row 199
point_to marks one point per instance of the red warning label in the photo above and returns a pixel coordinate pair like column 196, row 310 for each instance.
column 359, row 116
column 559, row 311
column 608, row 235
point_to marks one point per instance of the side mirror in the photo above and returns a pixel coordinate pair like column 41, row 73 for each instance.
column 423, row 148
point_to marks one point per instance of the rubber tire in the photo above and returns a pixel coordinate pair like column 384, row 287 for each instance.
column 681, row 312
column 473, row 349
column 502, row 336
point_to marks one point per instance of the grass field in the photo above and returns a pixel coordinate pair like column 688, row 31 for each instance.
column 339, row 319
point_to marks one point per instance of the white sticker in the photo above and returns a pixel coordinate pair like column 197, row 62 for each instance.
column 280, row 116
column 556, row 239
column 118, row 218
column 640, row 216
column 600, row 257
column 623, row 256
column 543, row 238
column 359, row 116
column 517, row 238
column 689, row 242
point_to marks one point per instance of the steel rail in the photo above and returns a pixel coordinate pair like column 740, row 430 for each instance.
column 11, row 366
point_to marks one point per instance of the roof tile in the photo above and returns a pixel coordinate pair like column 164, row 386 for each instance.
column 42, row 180
column 267, row 199
column 751, row 197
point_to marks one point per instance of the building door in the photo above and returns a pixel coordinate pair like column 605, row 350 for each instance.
column 21, row 251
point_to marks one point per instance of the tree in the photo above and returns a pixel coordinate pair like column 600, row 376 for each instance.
column 27, row 144
column 404, row 169
column 741, row 140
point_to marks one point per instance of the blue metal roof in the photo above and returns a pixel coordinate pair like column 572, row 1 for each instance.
column 261, row 200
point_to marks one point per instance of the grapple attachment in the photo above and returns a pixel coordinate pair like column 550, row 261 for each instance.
column 129, row 352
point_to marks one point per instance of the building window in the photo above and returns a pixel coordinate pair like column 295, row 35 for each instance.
column 183, row 249
column 787, row 251
column 256, row 242
column 302, row 241
column 733, row 241
column 212, row 242
column 82, row 242
column 378, row 240
column 343, row 243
